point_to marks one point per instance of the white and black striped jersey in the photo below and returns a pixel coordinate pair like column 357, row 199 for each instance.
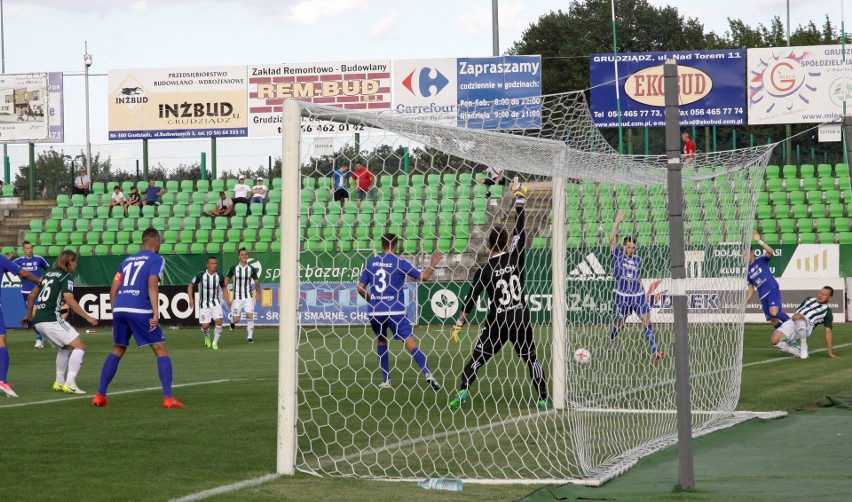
column 502, row 278
column 242, row 279
column 816, row 313
column 208, row 287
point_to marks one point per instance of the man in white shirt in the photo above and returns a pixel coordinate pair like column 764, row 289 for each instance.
column 241, row 192
column 117, row 199
column 258, row 191
column 82, row 183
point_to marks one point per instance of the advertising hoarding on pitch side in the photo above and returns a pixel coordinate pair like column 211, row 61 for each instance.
column 797, row 85
column 478, row 93
column 711, row 86
column 25, row 107
column 352, row 85
column 162, row 103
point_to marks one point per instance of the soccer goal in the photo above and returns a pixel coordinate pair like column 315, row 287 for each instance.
column 433, row 188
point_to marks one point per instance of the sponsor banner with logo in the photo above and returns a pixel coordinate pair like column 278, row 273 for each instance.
column 56, row 108
column 164, row 103
column 25, row 112
column 480, row 93
column 794, row 291
column 711, row 85
column 796, row 85
column 812, row 261
column 352, row 85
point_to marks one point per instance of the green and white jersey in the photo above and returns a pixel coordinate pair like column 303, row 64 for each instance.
column 208, row 287
column 243, row 280
column 816, row 312
column 54, row 285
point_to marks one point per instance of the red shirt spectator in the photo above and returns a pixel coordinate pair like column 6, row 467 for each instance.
column 688, row 148
column 364, row 179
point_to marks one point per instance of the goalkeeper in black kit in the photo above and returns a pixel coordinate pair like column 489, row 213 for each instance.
column 502, row 278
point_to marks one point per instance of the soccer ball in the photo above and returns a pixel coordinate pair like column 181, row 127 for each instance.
column 582, row 356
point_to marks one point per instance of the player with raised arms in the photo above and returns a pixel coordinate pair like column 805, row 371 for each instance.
column 46, row 300
column 760, row 278
column 210, row 285
column 508, row 320
column 811, row 313
column 629, row 293
column 134, row 297
column 385, row 275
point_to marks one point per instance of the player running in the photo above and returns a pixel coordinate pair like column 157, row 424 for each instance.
column 385, row 276
column 210, row 285
column 7, row 265
column 629, row 293
column 502, row 278
column 57, row 288
column 245, row 288
column 760, row 277
column 134, row 298
column 811, row 313
column 34, row 264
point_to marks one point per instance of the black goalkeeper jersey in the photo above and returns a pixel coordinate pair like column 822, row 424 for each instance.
column 502, row 278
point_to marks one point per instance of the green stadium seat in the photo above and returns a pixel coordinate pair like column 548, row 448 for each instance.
column 805, row 225
column 844, row 237
column 768, row 225
column 788, row 238
column 841, row 170
column 842, row 224
column 809, row 238
column 789, row 171
column 799, row 211
column 827, row 184
column 196, row 210
column 133, row 212
column 231, row 183
column 197, row 247
column 814, row 196
column 796, row 197
column 212, row 248
column 821, row 225
column 773, row 171
column 810, row 184
column 117, row 249
column 216, row 186
column 403, row 180
column 62, row 200
column 201, row 186
column 45, row 239
column 774, row 185
column 807, row 171
column 779, row 210
column 824, row 170
column 823, row 237
column 834, row 210
column 832, row 196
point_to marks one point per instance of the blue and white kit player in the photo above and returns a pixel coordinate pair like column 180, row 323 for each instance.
column 382, row 285
column 629, row 293
column 35, row 265
column 134, row 287
column 760, row 278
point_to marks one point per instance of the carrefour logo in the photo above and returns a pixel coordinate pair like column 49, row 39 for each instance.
column 426, row 81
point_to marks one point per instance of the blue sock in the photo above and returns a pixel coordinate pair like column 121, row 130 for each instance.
column 4, row 363
column 384, row 361
column 108, row 372
column 781, row 316
column 420, row 358
column 38, row 335
column 164, row 369
column 651, row 337
column 613, row 333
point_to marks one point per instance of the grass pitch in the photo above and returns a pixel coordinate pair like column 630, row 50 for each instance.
column 60, row 447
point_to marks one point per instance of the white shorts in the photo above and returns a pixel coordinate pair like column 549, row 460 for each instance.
column 59, row 334
column 791, row 333
column 205, row 316
column 240, row 306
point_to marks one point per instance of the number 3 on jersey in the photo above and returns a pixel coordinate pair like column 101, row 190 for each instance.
column 381, row 281
column 509, row 290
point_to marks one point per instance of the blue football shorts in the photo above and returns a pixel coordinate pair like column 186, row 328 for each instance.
column 125, row 323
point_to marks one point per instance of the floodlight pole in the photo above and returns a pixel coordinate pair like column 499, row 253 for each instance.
column 87, row 62
column 686, row 474
column 288, row 330
column 495, row 30
column 3, row 71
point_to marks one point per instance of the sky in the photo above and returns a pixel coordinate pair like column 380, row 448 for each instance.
column 50, row 35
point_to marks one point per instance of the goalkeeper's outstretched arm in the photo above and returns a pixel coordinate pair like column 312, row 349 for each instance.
column 619, row 216
column 767, row 250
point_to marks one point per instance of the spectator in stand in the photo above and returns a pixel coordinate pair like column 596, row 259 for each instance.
column 82, row 183
column 152, row 194
column 493, row 176
column 117, row 199
column 364, row 180
column 224, row 206
column 340, row 183
column 241, row 192
column 688, row 148
column 258, row 192
column 133, row 200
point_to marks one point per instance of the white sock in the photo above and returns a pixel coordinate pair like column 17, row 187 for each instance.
column 217, row 332
column 783, row 347
column 250, row 326
column 62, row 365
column 801, row 328
column 74, row 365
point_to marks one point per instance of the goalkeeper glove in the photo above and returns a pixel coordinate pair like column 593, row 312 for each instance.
column 454, row 334
column 520, row 192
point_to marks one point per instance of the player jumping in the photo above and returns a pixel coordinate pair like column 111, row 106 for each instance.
column 629, row 293
column 502, row 278
column 811, row 313
column 760, row 277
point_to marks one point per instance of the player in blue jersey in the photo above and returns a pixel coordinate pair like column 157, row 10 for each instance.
column 629, row 293
column 7, row 265
column 760, row 278
column 33, row 264
column 134, row 297
column 384, row 275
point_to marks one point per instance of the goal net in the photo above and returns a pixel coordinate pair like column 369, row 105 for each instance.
column 431, row 189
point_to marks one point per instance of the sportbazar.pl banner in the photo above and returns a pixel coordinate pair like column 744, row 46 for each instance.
column 162, row 103
column 711, row 86
column 352, row 85
column 797, row 85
